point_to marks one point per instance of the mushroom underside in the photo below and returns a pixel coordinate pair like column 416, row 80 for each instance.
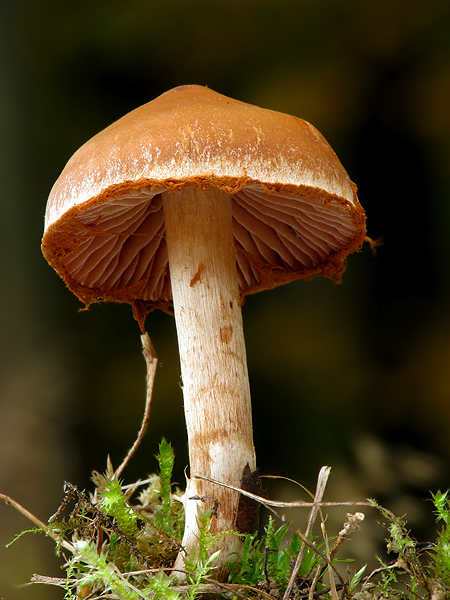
column 120, row 244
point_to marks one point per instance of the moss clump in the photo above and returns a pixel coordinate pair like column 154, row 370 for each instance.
column 123, row 540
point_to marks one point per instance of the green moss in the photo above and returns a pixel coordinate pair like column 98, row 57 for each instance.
column 123, row 547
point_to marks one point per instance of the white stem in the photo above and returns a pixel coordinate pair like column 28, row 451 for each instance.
column 213, row 360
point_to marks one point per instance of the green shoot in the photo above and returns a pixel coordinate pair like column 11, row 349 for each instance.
column 355, row 581
column 269, row 558
column 91, row 570
column 19, row 535
column 199, row 557
column 168, row 517
column 199, row 562
column 160, row 588
column 248, row 568
column 442, row 505
column 114, row 504
column 441, row 549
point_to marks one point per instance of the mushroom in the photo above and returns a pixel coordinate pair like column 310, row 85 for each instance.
column 189, row 203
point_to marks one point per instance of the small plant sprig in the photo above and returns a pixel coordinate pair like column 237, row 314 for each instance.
column 161, row 587
column 269, row 559
column 89, row 571
column 441, row 550
column 114, row 503
column 199, row 562
column 169, row 517
column 419, row 571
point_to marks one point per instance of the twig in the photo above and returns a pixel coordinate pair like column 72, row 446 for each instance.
column 151, row 360
column 46, row 580
column 270, row 503
column 26, row 513
column 320, row 489
column 334, row 595
column 312, row 587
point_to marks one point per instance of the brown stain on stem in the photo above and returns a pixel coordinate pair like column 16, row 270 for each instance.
column 226, row 334
column 197, row 276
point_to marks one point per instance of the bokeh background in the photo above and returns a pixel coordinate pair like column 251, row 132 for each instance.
column 355, row 375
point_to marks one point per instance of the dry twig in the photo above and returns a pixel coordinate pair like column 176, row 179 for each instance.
column 151, row 360
column 320, row 489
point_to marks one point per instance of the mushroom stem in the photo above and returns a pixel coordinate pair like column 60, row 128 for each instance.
column 216, row 389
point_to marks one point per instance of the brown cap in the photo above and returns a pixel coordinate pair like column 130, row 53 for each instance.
column 295, row 210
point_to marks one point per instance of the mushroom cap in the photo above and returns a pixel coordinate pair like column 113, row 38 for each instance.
column 295, row 210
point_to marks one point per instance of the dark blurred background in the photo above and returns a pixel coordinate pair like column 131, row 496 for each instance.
column 355, row 375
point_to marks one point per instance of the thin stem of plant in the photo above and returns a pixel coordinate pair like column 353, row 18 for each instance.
column 334, row 595
column 312, row 587
column 279, row 504
column 151, row 360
